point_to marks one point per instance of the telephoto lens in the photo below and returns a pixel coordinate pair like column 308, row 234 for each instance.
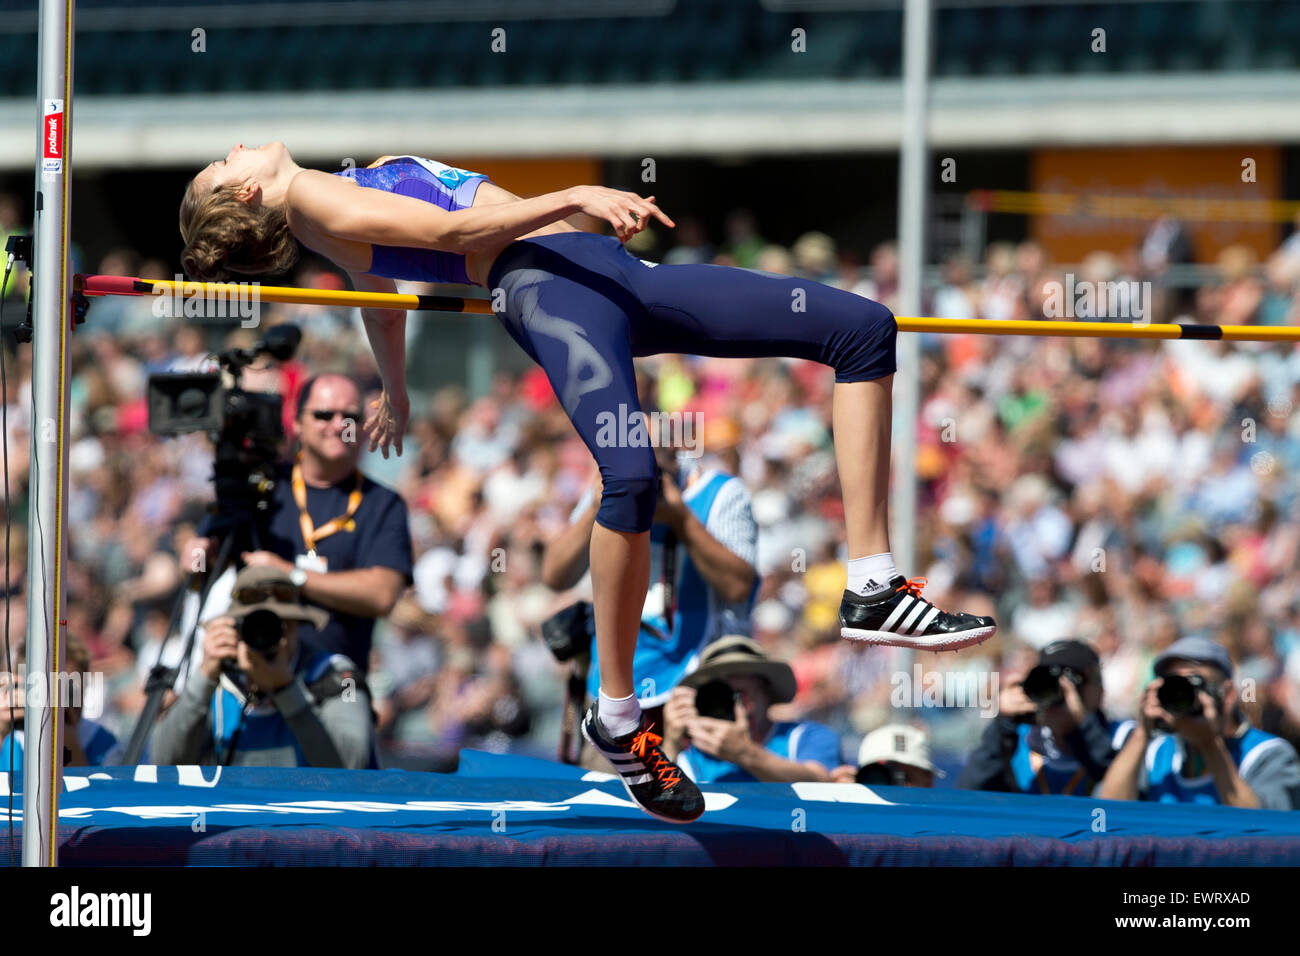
column 1178, row 695
column 262, row 631
column 1042, row 685
column 716, row 699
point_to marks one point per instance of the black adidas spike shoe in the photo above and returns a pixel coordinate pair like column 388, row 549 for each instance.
column 900, row 617
column 654, row 782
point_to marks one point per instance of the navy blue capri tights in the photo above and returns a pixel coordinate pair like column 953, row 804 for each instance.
column 583, row 307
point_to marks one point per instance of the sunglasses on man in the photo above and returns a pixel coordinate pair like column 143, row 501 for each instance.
column 257, row 593
column 327, row 414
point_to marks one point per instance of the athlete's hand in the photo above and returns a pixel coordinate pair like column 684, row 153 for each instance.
column 387, row 422
column 627, row 212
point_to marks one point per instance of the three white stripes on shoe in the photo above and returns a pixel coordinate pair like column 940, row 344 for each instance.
column 914, row 609
column 627, row 766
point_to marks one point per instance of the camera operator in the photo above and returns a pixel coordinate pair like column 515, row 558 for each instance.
column 703, row 546
column 1193, row 743
column 260, row 698
column 1050, row 734
column 717, row 729
column 342, row 538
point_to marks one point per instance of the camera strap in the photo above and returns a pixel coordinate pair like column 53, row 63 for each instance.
column 670, row 578
column 669, row 565
column 310, row 533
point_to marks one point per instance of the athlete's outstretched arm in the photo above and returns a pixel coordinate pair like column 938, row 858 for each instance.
column 329, row 205
column 332, row 206
column 386, row 330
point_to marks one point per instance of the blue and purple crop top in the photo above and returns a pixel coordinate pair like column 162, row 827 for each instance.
column 445, row 186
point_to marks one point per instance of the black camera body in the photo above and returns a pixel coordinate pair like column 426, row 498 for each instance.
column 716, row 699
column 568, row 632
column 1179, row 694
column 262, row 631
column 1042, row 684
column 246, row 428
column 880, row 774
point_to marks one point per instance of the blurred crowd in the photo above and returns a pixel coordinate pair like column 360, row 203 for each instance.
column 1124, row 493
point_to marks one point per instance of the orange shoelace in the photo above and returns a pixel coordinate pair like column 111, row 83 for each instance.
column 914, row 586
column 662, row 767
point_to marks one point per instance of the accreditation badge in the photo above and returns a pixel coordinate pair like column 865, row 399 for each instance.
column 311, row 562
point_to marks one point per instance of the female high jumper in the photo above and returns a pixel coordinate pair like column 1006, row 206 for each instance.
column 583, row 307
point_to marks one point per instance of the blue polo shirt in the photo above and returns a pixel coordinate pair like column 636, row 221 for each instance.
column 381, row 537
column 1267, row 764
column 97, row 741
column 799, row 742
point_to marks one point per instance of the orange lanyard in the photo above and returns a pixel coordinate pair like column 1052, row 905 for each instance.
column 344, row 522
column 1040, row 776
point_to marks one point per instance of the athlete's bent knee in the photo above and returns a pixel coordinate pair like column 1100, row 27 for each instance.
column 869, row 350
column 628, row 504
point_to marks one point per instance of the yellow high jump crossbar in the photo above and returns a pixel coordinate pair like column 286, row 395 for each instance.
column 93, row 285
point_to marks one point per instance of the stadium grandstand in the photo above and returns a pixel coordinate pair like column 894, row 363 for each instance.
column 1128, row 498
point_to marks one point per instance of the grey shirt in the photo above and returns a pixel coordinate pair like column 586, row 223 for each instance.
column 334, row 731
column 1272, row 770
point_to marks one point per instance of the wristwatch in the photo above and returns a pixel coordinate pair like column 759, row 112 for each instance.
column 298, row 577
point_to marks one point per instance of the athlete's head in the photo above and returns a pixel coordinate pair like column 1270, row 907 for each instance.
column 232, row 216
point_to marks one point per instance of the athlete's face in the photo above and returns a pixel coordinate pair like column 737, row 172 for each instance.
column 258, row 166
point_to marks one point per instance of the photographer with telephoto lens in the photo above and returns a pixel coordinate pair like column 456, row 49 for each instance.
column 717, row 727
column 1050, row 734
column 259, row 698
column 1194, row 744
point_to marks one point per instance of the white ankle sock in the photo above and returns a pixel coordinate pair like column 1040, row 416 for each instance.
column 872, row 574
column 619, row 716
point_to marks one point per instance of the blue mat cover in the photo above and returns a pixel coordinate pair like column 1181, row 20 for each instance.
column 506, row 810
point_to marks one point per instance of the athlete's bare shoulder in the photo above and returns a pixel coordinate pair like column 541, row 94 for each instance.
column 311, row 201
column 316, row 202
column 311, row 188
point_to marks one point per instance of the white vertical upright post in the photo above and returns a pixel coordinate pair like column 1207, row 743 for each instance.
column 47, row 524
column 913, row 177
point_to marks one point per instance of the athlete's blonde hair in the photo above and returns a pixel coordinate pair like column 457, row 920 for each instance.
column 223, row 235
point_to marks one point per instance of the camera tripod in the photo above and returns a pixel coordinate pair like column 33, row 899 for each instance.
column 237, row 523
